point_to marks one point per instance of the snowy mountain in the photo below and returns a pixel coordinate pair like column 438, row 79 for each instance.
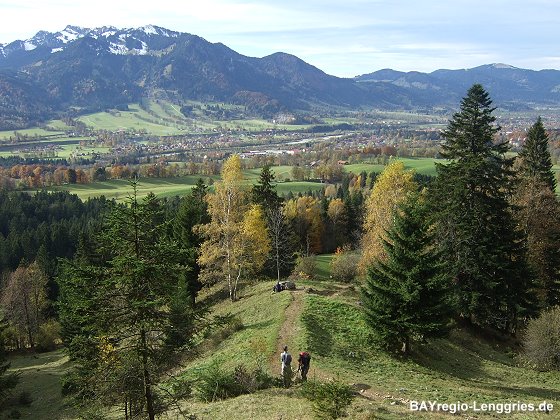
column 89, row 69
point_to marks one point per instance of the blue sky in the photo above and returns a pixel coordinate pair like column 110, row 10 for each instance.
column 344, row 38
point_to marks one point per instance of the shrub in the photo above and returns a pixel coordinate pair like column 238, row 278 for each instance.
column 330, row 399
column 542, row 340
column 305, row 266
column 344, row 265
column 251, row 381
column 214, row 383
column 48, row 336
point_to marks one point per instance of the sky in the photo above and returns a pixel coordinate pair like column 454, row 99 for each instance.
column 344, row 38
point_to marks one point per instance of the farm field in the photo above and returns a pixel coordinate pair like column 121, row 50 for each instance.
column 163, row 118
column 424, row 166
column 119, row 189
column 169, row 187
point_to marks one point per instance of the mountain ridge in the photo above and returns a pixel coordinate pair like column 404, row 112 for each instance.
column 89, row 69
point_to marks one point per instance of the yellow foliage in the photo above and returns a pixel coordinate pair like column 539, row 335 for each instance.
column 231, row 170
column 391, row 188
column 256, row 239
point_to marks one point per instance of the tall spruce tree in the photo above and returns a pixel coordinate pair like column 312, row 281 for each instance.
column 264, row 191
column 539, row 215
column 119, row 310
column 407, row 294
column 193, row 210
column 535, row 157
column 476, row 232
column 8, row 380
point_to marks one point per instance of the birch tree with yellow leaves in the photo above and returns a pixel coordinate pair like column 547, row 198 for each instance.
column 391, row 189
column 236, row 239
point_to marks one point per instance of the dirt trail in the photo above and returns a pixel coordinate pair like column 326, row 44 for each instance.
column 289, row 330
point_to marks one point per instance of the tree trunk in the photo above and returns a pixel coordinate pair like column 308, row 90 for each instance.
column 406, row 345
column 146, row 374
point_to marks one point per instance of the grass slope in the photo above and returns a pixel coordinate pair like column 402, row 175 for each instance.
column 463, row 368
column 40, row 377
column 327, row 322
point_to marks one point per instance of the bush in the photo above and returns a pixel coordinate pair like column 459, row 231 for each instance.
column 344, row 265
column 214, row 383
column 305, row 266
column 48, row 336
column 542, row 340
column 330, row 399
column 255, row 380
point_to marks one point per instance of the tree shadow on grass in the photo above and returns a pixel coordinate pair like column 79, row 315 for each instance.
column 320, row 339
column 529, row 394
column 446, row 357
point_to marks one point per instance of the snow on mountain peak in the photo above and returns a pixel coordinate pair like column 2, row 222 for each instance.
column 149, row 30
column 119, row 41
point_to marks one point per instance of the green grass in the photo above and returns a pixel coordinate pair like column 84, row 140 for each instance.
column 40, row 376
column 461, row 368
column 424, row 166
column 119, row 189
column 164, row 118
column 323, row 269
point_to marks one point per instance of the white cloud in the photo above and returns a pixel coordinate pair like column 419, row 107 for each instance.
column 342, row 38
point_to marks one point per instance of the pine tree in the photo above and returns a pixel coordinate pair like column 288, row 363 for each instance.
column 264, row 191
column 476, row 232
column 119, row 307
column 7, row 380
column 406, row 294
column 535, row 157
column 192, row 211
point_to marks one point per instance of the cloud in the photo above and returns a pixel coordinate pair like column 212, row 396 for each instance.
column 341, row 38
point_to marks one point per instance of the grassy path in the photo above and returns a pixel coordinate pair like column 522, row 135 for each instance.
column 288, row 336
column 288, row 330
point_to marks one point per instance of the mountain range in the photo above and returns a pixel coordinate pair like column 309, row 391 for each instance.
column 91, row 69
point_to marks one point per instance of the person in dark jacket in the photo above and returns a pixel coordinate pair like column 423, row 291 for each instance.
column 304, row 360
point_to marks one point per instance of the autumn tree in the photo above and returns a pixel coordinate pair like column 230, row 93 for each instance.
column 254, row 241
column 406, row 292
column 227, row 250
column 391, row 188
column 304, row 214
column 338, row 216
column 116, row 308
column 24, row 300
column 477, row 234
column 539, row 215
column 264, row 193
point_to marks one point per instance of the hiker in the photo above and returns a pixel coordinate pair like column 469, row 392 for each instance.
column 277, row 288
column 304, row 360
column 286, row 359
